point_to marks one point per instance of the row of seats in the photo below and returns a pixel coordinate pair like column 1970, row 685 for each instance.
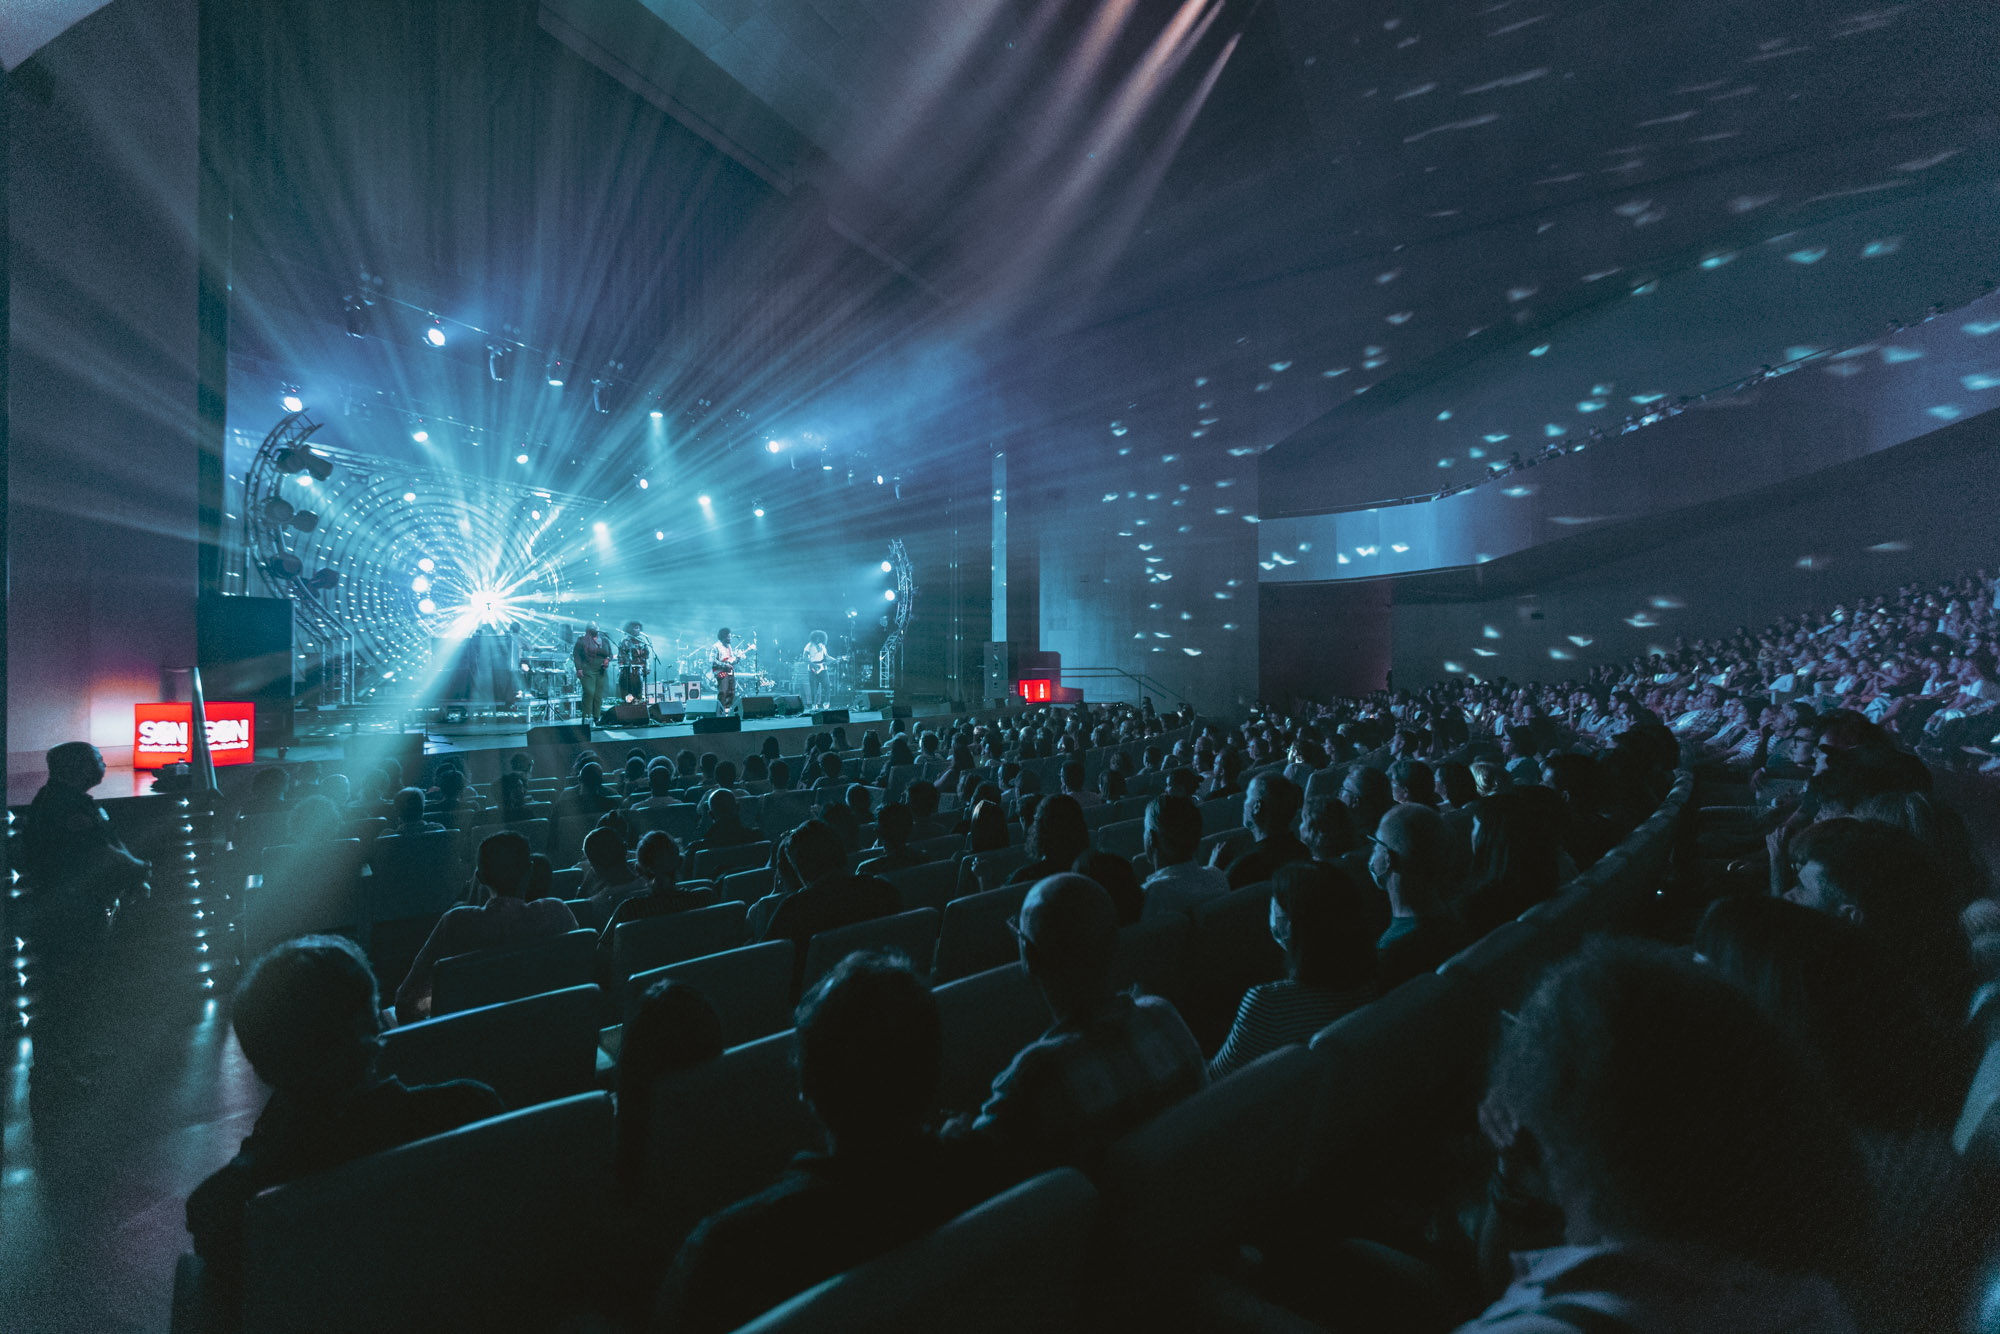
column 1305, row 1129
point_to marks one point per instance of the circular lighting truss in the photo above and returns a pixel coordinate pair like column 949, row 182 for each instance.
column 377, row 577
column 889, row 663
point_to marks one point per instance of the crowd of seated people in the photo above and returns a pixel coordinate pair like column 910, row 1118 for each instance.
column 1829, row 990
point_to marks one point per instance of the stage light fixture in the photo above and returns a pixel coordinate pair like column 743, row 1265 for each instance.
column 427, row 606
column 773, row 445
column 642, row 484
column 556, row 372
column 435, row 334
column 421, row 437
column 305, row 521
column 656, row 414
column 702, row 501
column 277, row 511
column 878, row 479
column 659, row 535
column 426, row 564
column 759, row 511
column 420, row 585
column 324, row 580
column 520, row 458
column 286, row 566
column 887, row 567
column 600, row 527
column 293, row 403
column 409, row 496
column 888, row 595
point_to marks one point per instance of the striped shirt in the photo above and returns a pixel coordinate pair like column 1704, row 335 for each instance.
column 1278, row 1014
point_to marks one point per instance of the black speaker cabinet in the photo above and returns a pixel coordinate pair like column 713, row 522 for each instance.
column 825, row 716
column 671, row 712
column 702, row 725
column 560, row 734
column 244, row 649
column 871, row 700
column 790, row 705
column 905, row 711
column 760, row 706
column 626, row 713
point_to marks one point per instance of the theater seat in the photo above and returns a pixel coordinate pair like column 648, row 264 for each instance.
column 1014, row 1263
column 712, row 862
column 467, row 981
column 413, row 875
column 1504, row 963
column 655, row 942
column 531, row 1050
column 1152, row 955
column 750, row 988
column 974, row 936
column 930, row 885
column 746, row 886
column 986, row 1018
column 1127, row 838
column 912, row 934
column 989, row 870
column 305, row 888
column 1230, row 950
column 720, row 1131
column 495, row 1225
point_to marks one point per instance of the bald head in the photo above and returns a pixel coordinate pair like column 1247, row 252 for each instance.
column 1069, row 930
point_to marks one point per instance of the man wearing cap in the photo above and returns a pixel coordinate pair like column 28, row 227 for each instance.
column 1111, row 1060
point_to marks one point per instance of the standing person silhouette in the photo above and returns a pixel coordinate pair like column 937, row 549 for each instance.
column 722, row 661
column 592, row 657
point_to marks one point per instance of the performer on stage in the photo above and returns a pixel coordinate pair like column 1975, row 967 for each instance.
column 817, row 657
column 722, row 661
column 592, row 657
column 633, row 656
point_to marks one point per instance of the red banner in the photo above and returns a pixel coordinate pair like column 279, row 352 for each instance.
column 160, row 734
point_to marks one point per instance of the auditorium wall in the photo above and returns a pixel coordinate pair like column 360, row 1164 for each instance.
column 101, row 346
column 1922, row 511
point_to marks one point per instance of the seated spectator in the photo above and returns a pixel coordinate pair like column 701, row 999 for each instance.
column 611, row 877
column 1489, row 777
column 659, row 862
column 409, row 815
column 1586, row 834
column 827, row 896
column 869, row 1057
column 1075, row 786
column 1111, row 1060
column 1183, row 782
column 673, row 1028
column 1412, row 863
column 924, row 800
column 1327, row 925
column 725, row 827
column 831, row 785
column 587, row 798
column 315, row 820
column 1365, row 793
column 659, row 793
column 986, row 829
column 453, row 806
column 1119, row 880
column 1225, row 778
column 780, row 776
column 307, row 1016
column 892, row 841
column 1694, row 1173
column 268, row 786
column 838, row 814
column 1412, row 780
column 1270, row 813
column 1172, row 840
column 506, row 918
column 756, row 775
column 515, row 803
column 1327, row 830
column 1055, row 840
column 1516, row 857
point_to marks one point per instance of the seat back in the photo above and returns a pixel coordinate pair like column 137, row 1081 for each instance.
column 750, row 988
column 912, row 934
column 679, row 821
column 785, row 811
column 487, row 977
column 974, row 934
column 991, row 869
column 307, row 888
column 942, row 847
column 488, row 1226
column 986, row 1018
column 712, row 862
column 655, row 942
column 1127, row 838
column 1222, row 817
column 1196, row 1177
column 1506, row 962
column 746, row 886
column 720, row 1131
column 531, row 1050
column 1230, row 950
column 1014, row 1263
column 930, row 885
column 1152, row 955
column 412, row 875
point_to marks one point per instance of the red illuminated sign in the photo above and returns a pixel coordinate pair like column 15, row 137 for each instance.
column 160, row 734
column 1035, row 692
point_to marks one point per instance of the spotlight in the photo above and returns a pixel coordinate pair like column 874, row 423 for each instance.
column 427, row 565
column 420, row 585
column 293, row 403
column 520, row 458
column 887, row 567
column 659, row 535
column 600, row 527
column 878, row 479
column 702, row 501
column 427, row 606
column 656, row 414
column 642, row 484
column 421, row 437
column 305, row 521
column 435, row 334
column 759, row 511
column 556, row 372
column 888, row 595
column 286, row 566
column 773, row 445
column 277, row 511
column 409, row 496
column 324, row 580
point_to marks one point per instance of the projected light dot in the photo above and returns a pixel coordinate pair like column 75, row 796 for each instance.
column 534, row 514
column 773, row 446
column 656, row 414
column 427, row 565
column 888, row 595
column 702, row 501
column 293, row 403
column 642, row 484
column 878, row 479
column 520, row 458
column 759, row 511
column 420, row 585
column 427, row 606
column 434, row 336
column 421, row 437
column 886, row 567
column 409, row 496
column 659, row 535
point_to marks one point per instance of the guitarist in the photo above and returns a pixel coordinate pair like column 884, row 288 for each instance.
column 817, row 658
column 722, row 662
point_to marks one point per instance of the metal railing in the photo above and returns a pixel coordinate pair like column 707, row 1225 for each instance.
column 1139, row 684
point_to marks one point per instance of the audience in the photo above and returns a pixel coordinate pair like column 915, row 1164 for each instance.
column 892, row 841
column 1412, row 863
column 507, row 918
column 869, row 1053
column 1270, row 812
column 827, row 896
column 1327, row 925
column 1055, row 840
column 611, row 877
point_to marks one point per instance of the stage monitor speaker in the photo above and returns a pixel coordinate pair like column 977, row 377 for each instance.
column 625, row 713
column 790, row 705
column 560, row 734
column 901, row 711
column 871, row 700
column 760, row 706
column 668, row 713
column 825, row 716
column 702, row 725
